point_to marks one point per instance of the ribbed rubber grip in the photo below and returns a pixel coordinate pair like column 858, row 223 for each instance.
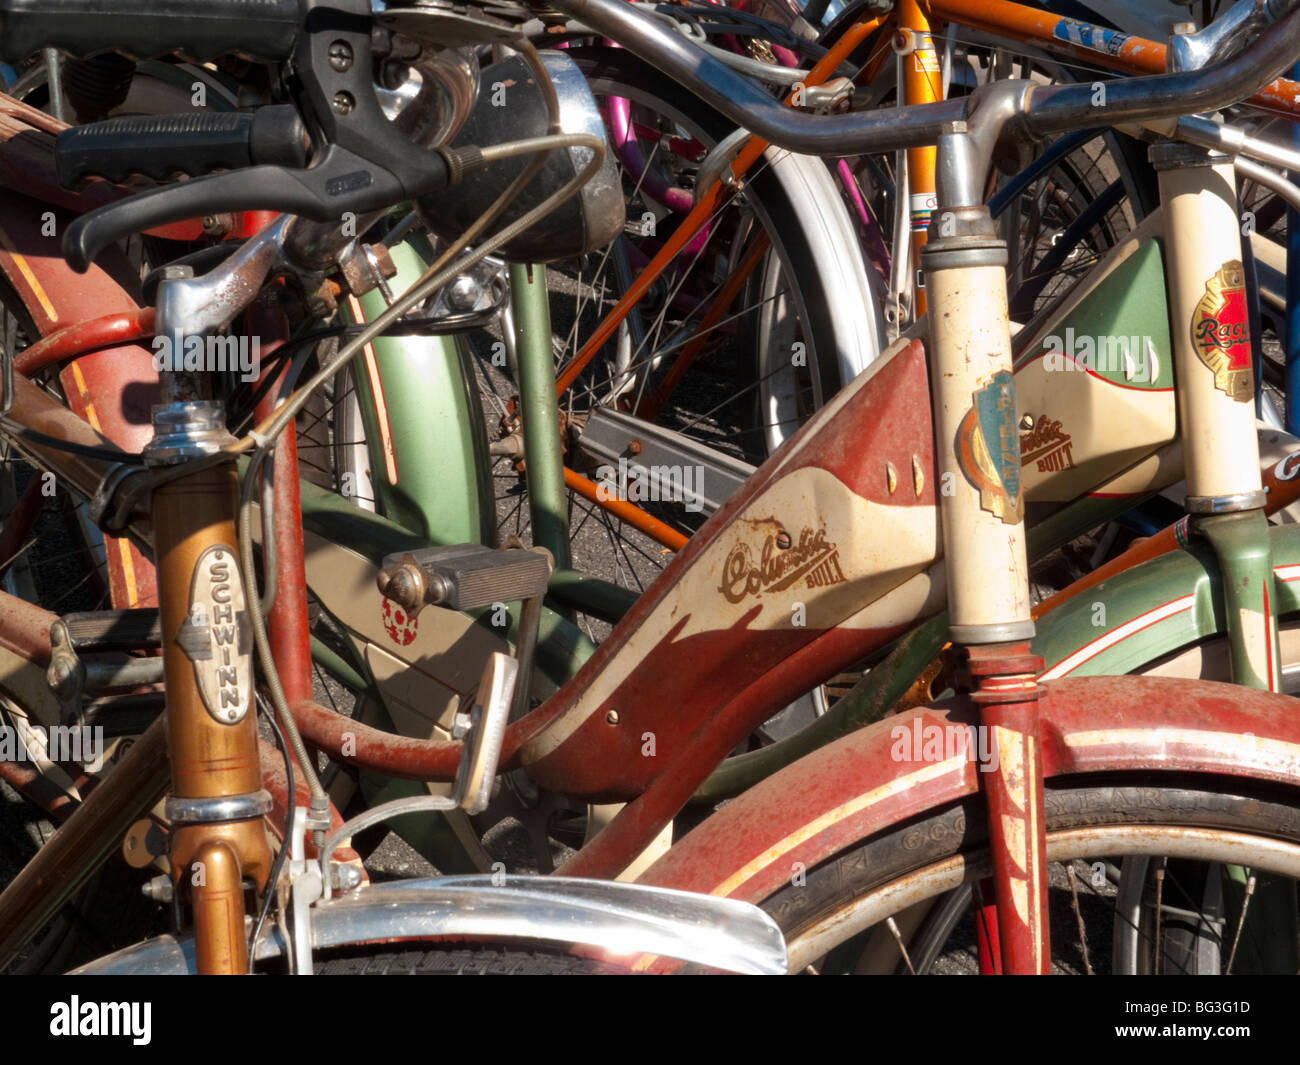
column 196, row 143
column 201, row 29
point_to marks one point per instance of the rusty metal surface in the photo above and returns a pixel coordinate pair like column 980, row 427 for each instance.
column 25, row 628
column 1013, row 795
column 18, row 523
column 79, row 338
column 276, row 783
column 703, row 643
column 852, row 788
column 287, row 624
column 637, row 824
column 36, row 787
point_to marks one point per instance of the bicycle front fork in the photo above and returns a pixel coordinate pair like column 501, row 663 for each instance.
column 977, row 427
column 216, row 803
column 981, row 509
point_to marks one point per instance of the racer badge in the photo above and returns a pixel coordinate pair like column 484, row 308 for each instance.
column 1221, row 331
column 988, row 448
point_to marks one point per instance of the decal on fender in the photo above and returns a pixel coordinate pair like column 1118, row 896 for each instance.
column 1221, row 331
column 988, row 448
column 217, row 636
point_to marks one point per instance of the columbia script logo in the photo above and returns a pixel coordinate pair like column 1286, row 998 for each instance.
column 1047, row 445
column 778, row 568
column 102, row 1018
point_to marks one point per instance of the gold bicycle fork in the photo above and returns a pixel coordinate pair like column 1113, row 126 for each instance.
column 977, row 427
column 216, row 803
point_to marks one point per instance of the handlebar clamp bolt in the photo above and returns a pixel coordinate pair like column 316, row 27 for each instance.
column 341, row 56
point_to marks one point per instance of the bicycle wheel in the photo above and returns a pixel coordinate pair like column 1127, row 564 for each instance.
column 1192, row 827
column 431, row 960
column 59, row 563
column 1059, row 206
column 816, row 315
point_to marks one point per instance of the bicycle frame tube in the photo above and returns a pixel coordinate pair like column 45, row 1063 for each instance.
column 1084, row 41
column 543, row 443
column 1212, row 349
column 920, row 84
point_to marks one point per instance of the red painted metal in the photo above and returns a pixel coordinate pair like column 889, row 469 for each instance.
column 288, row 627
column 110, row 330
column 854, row 788
column 113, row 388
column 638, row 823
column 355, row 743
column 277, row 784
column 884, row 421
column 25, row 628
column 250, row 223
column 987, row 948
column 1006, row 693
column 35, row 787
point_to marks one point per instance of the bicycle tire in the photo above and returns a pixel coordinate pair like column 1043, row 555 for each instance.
column 1225, row 818
column 427, row 959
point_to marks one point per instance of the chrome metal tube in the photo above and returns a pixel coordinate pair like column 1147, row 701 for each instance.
column 1051, row 109
column 746, row 103
column 1057, row 108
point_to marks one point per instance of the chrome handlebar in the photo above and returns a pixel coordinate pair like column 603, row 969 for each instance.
column 1042, row 110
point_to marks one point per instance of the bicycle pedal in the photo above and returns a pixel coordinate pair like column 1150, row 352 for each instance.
column 463, row 576
column 113, row 630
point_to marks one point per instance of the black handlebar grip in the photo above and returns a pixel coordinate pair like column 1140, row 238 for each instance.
column 161, row 146
column 200, row 29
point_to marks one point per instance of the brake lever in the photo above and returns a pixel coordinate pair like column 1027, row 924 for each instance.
column 266, row 188
column 363, row 164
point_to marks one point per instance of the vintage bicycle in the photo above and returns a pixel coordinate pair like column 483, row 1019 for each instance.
column 858, row 526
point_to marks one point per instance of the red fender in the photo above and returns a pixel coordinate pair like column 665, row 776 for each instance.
column 113, row 388
column 855, row 787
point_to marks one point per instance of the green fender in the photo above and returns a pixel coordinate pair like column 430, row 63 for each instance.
column 439, row 480
column 1145, row 613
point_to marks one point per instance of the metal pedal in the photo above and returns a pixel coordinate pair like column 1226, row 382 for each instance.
column 463, row 577
column 114, row 630
column 103, row 635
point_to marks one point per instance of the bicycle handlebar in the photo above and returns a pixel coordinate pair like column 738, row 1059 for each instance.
column 161, row 146
column 206, row 29
column 1051, row 109
column 366, row 164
